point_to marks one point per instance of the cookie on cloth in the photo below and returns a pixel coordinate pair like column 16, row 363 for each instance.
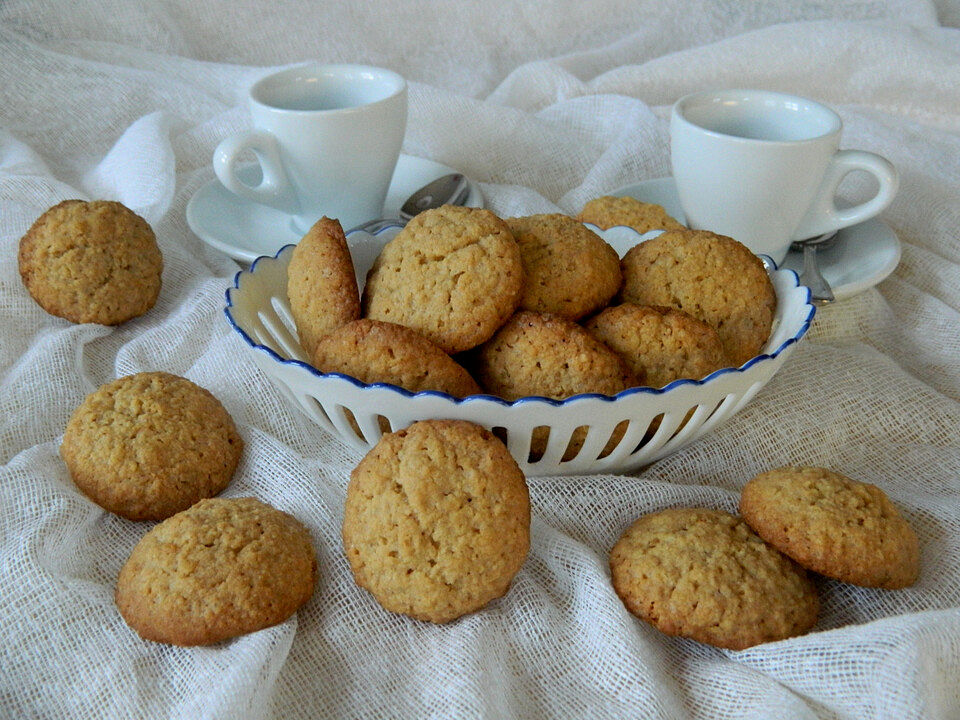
column 703, row 574
column 222, row 568
column 149, row 445
column 568, row 270
column 321, row 284
column 374, row 351
column 453, row 274
column 437, row 520
column 608, row 211
column 658, row 343
column 550, row 356
column 833, row 525
column 91, row 262
column 712, row 277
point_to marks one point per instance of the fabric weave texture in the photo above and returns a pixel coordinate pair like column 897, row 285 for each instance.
column 547, row 105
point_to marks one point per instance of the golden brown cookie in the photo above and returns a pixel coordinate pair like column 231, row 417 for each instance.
column 149, row 445
column 712, row 277
column 607, row 211
column 437, row 520
column 703, row 574
column 550, row 356
column 833, row 525
column 374, row 351
column 91, row 262
column 568, row 270
column 321, row 283
column 224, row 567
column 453, row 274
column 659, row 344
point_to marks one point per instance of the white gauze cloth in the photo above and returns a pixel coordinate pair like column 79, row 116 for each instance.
column 547, row 104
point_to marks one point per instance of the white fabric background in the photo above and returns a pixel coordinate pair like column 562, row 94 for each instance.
column 547, row 104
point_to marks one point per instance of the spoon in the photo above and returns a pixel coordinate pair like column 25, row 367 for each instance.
column 820, row 291
column 452, row 189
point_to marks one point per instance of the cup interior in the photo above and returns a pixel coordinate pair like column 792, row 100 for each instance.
column 759, row 115
column 313, row 88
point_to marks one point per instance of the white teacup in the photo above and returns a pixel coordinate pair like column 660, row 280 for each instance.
column 327, row 138
column 763, row 167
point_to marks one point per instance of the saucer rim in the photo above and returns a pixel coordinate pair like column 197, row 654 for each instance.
column 841, row 291
column 247, row 256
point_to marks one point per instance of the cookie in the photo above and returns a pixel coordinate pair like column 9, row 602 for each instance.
column 437, row 520
column 550, row 356
column 453, row 274
column 703, row 574
column 149, row 445
column 91, row 262
column 833, row 525
column 568, row 270
column 321, row 284
column 659, row 344
column 374, row 352
column 608, row 211
column 223, row 568
column 710, row 276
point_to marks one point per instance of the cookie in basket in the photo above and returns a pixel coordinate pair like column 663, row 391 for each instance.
column 321, row 284
column 658, row 343
column 712, row 277
column 224, row 567
column 833, row 525
column 374, row 351
column 437, row 520
column 453, row 274
column 703, row 574
column 149, row 445
column 91, row 262
column 550, row 356
column 568, row 270
column 608, row 211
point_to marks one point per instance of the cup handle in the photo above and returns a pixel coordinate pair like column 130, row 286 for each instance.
column 274, row 189
column 824, row 216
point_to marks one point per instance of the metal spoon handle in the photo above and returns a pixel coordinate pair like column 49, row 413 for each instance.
column 375, row 226
column 820, row 291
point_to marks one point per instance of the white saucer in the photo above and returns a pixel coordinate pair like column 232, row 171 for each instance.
column 863, row 255
column 246, row 230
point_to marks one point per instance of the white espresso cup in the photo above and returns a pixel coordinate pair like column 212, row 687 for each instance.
column 327, row 138
column 763, row 167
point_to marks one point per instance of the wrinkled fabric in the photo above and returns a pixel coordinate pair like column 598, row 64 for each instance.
column 546, row 105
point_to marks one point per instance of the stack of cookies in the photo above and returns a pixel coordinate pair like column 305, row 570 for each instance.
column 462, row 301
column 735, row 582
column 154, row 446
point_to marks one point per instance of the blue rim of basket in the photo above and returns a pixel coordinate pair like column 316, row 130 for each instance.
column 538, row 399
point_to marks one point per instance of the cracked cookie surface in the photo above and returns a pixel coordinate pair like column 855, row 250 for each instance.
column 437, row 520
column 91, row 262
column 568, row 269
column 149, row 445
column 835, row 526
column 712, row 277
column 703, row 574
column 321, row 283
column 224, row 567
column 453, row 274
column 659, row 344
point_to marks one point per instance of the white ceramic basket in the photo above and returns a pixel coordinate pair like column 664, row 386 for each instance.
column 258, row 310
